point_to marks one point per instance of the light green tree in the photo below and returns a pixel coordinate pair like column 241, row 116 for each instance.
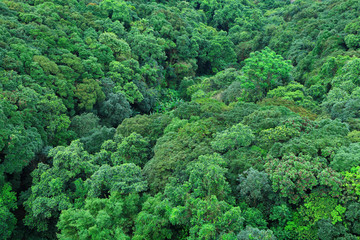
column 263, row 71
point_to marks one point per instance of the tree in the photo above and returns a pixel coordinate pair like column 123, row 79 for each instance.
column 352, row 182
column 352, row 215
column 293, row 92
column 281, row 214
column 124, row 71
column 84, row 123
column 352, row 30
column 254, row 233
column 178, row 81
column 187, row 109
column 95, row 137
column 89, row 93
column 294, row 176
column 237, row 136
column 7, row 204
column 153, row 222
column 254, row 186
column 285, row 131
column 327, row 230
column 266, row 117
column 74, row 63
column 174, row 151
column 18, row 143
column 262, row 72
column 47, row 65
column 210, row 47
column 326, row 137
column 124, row 179
column 224, row 78
column 147, row 47
column 21, row 148
column 207, row 177
column 57, row 187
column 318, row 207
column 346, row 158
column 199, row 205
column 119, row 10
column 232, row 93
column 319, row 217
column 150, row 126
column 120, row 48
column 93, row 69
column 133, row 149
column 109, row 218
column 231, row 12
column 114, row 109
column 254, row 217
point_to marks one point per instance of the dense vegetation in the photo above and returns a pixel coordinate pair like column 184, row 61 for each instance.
column 216, row 119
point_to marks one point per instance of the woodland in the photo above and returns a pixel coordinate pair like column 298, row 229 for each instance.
column 194, row 119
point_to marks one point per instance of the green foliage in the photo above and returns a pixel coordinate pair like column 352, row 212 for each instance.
column 235, row 137
column 211, row 46
column 238, row 111
column 199, row 204
column 133, row 149
column 319, row 217
column 119, row 47
column 320, row 207
column 352, row 182
column 211, row 107
column 188, row 144
column 262, row 72
column 49, row 67
column 95, row 137
column 254, row 233
column 292, row 176
column 7, row 218
column 352, row 29
column 150, row 126
column 266, row 117
column 354, row 136
column 152, row 222
column 295, row 176
column 114, row 109
column 329, row 231
column 323, row 141
column 254, row 186
column 209, row 216
column 84, row 123
column 225, row 78
column 208, row 119
column 352, row 215
column 57, row 187
column 123, row 74
column 206, row 177
column 123, row 179
column 303, row 112
column 254, row 217
column 169, row 100
column 232, row 93
column 282, row 214
column 146, row 46
column 100, row 218
column 176, row 124
column 288, row 129
column 346, row 157
column 89, row 92
column 293, row 92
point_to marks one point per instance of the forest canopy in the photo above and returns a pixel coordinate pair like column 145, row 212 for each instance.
column 217, row 119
